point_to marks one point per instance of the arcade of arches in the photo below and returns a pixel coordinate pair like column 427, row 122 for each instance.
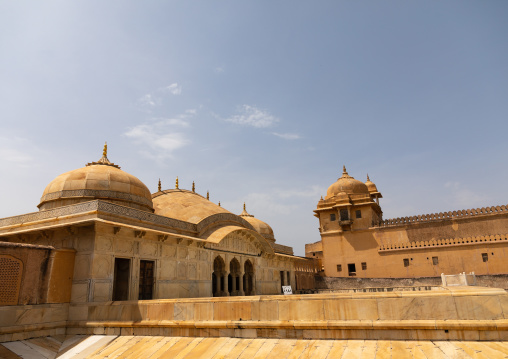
column 232, row 279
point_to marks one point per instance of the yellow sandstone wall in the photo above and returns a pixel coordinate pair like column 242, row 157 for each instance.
column 459, row 246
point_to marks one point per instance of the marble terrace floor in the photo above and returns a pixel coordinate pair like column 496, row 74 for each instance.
column 103, row 346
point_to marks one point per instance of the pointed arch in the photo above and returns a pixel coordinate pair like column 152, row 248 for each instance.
column 248, row 278
column 218, row 277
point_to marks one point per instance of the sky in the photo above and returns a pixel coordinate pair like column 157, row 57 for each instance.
column 260, row 101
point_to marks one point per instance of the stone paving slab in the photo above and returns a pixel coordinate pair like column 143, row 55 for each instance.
column 155, row 347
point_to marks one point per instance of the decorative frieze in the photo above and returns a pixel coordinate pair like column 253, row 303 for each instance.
column 102, row 206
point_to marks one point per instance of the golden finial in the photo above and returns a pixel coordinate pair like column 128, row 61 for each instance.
column 368, row 179
column 104, row 159
column 344, row 170
column 244, row 213
column 159, row 186
column 193, row 187
column 219, row 203
column 321, row 198
column 208, row 195
column 176, row 183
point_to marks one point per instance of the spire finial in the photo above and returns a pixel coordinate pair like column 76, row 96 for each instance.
column 193, row 187
column 245, row 213
column 368, row 179
column 159, row 186
column 344, row 170
column 208, row 195
column 104, row 159
column 176, row 183
column 219, row 203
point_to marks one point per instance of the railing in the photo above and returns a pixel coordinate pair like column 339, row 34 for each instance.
column 465, row 213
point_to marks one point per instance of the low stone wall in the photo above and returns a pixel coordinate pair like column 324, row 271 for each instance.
column 30, row 321
column 327, row 284
column 454, row 313
column 446, row 314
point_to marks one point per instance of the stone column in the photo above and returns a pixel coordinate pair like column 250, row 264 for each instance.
column 240, row 282
column 226, row 283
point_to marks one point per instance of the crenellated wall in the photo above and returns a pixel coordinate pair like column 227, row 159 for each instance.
column 465, row 213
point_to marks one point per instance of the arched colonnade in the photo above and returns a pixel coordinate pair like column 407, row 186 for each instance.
column 233, row 278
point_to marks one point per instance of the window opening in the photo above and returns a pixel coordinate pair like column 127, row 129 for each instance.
column 406, row 262
column 344, row 215
column 339, row 267
column 332, row 217
column 435, row 260
column 485, row 257
column 358, row 214
column 364, row 265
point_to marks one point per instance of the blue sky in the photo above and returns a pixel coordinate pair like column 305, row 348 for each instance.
column 260, row 101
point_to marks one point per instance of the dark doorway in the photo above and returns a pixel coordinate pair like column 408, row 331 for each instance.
column 121, row 279
column 146, row 279
column 281, row 280
column 351, row 269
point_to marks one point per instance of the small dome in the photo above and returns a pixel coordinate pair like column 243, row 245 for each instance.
column 261, row 227
column 370, row 185
column 97, row 180
column 348, row 185
column 184, row 205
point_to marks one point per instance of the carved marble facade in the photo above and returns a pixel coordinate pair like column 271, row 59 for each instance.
column 136, row 245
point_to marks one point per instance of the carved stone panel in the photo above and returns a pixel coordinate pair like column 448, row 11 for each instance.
column 238, row 244
column 168, row 251
column 123, row 246
column 148, row 249
column 102, row 266
column 182, row 270
column 104, row 244
column 182, row 252
column 192, row 271
column 11, row 271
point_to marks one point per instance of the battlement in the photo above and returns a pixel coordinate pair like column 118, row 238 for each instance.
column 465, row 213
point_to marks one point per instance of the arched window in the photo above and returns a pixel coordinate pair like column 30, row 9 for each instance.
column 248, row 278
column 219, row 271
column 234, row 277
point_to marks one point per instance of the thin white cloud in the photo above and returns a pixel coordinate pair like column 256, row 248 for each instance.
column 287, row 136
column 269, row 204
column 160, row 137
column 219, row 70
column 153, row 99
column 282, row 201
column 253, row 116
column 174, row 89
column 149, row 100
